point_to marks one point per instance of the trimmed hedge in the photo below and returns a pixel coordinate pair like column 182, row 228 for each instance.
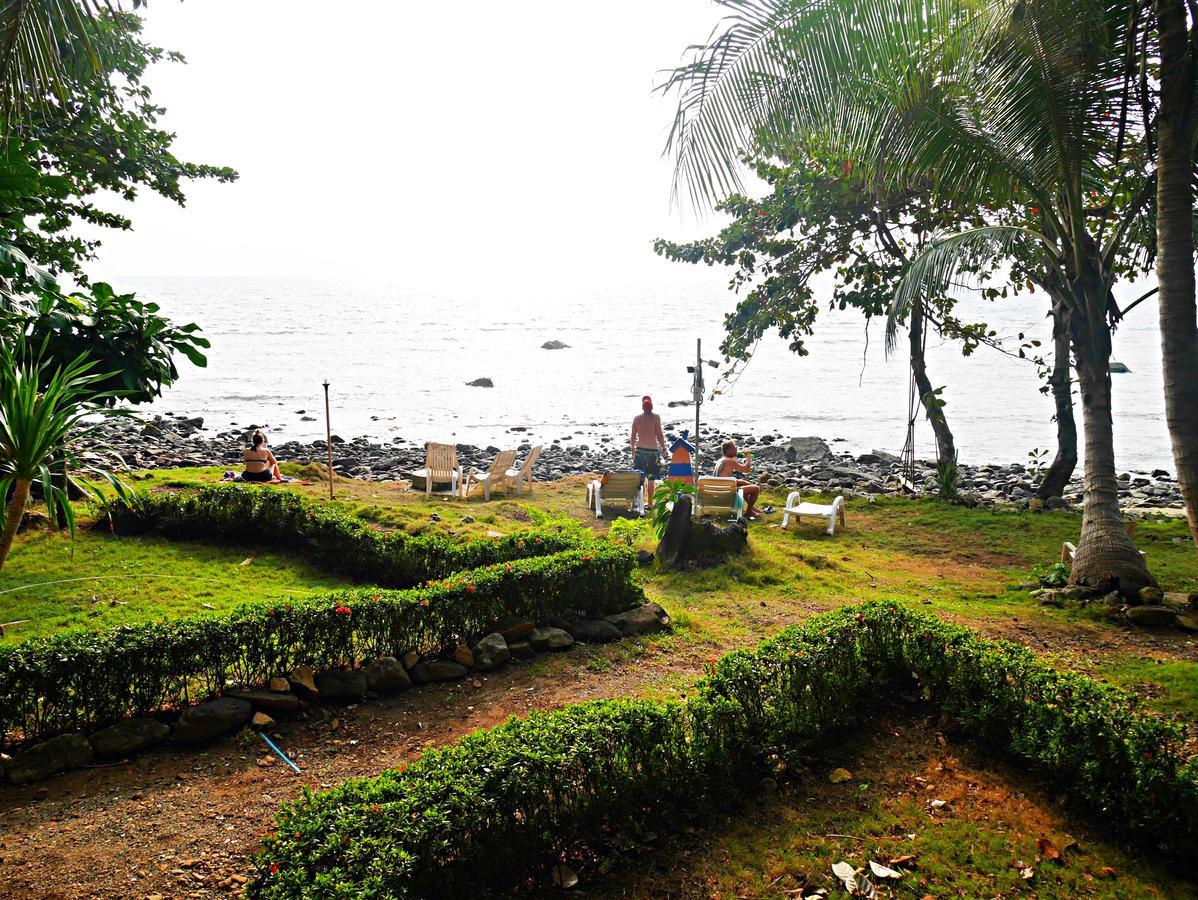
column 479, row 814
column 83, row 679
column 336, row 540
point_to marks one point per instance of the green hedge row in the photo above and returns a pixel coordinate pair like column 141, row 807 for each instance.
column 83, row 679
column 480, row 814
column 334, row 539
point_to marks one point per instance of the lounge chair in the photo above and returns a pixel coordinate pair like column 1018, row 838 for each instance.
column 493, row 476
column 830, row 511
column 626, row 487
column 440, row 467
column 523, row 475
column 718, row 496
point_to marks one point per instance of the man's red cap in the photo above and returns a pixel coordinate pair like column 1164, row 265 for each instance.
column 646, row 399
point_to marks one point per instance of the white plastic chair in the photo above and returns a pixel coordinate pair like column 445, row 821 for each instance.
column 830, row 511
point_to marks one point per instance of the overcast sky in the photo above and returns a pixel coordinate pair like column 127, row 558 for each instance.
column 444, row 143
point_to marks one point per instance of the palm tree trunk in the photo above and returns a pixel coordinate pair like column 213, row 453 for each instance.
column 1175, row 248
column 1106, row 558
column 946, row 450
column 12, row 518
column 1057, row 477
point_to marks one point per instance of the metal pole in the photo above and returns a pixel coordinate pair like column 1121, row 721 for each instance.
column 698, row 396
column 328, row 434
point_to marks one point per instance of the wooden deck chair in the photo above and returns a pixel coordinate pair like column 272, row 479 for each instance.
column 626, row 488
column 830, row 511
column 493, row 476
column 718, row 496
column 523, row 475
column 440, row 467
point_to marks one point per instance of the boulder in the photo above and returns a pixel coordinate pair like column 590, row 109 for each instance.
column 645, row 619
column 387, row 675
column 481, row 382
column 341, row 685
column 271, row 701
column 206, row 721
column 67, row 751
column 1187, row 621
column 1151, row 616
column 594, row 631
column 1151, row 595
column 280, row 685
column 491, row 652
column 521, row 649
column 515, row 630
column 807, row 449
column 549, row 638
column 410, row 659
column 438, row 670
column 262, row 722
column 462, row 654
column 129, row 737
column 303, row 682
column 1181, row 602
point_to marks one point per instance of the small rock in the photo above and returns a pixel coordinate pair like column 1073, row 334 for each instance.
column 212, row 719
column 280, row 685
column 1187, row 621
column 409, row 659
column 438, row 670
column 516, row 631
column 521, row 649
column 481, row 382
column 303, row 682
column 262, row 722
column 491, row 652
column 129, row 737
column 644, row 558
column 548, row 638
column 341, row 685
column 554, row 345
column 387, row 675
column 1151, row 616
column 268, row 700
column 645, row 619
column 67, row 751
column 462, row 654
column 467, row 520
column 1181, row 602
column 1151, row 596
column 839, row 776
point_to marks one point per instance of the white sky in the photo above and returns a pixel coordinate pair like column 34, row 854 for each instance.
column 453, row 144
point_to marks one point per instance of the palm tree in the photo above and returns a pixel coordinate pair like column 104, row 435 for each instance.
column 38, row 426
column 1022, row 100
column 1177, row 131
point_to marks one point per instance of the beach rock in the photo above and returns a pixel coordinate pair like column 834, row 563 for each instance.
column 549, row 638
column 387, row 675
column 807, row 449
column 554, row 345
column 593, row 631
column 481, row 382
column 206, row 721
column 129, row 737
column 438, row 670
column 491, row 652
column 341, row 685
column 1151, row 616
column 521, row 649
column 646, row 619
column 268, row 700
column 303, row 682
column 67, row 751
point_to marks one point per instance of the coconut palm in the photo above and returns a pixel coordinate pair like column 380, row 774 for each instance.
column 1022, row 100
column 42, row 415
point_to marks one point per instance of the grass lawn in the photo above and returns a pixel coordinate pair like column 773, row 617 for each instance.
column 965, row 565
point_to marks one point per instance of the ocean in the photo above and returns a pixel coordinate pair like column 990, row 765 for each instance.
column 398, row 361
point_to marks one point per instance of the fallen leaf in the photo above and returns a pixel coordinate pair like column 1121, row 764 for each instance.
column 847, row 875
column 246, row 562
column 1027, row 873
column 839, row 776
column 883, row 871
column 564, row 876
column 1048, row 850
column 905, row 860
column 938, row 804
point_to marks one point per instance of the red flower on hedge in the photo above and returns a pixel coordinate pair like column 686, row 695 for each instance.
column 586, row 559
column 274, row 868
column 538, row 540
column 342, row 610
column 270, row 612
column 470, row 587
column 507, row 567
column 424, row 601
column 376, row 597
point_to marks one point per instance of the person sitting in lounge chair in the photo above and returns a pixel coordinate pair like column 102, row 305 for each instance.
column 260, row 463
column 728, row 466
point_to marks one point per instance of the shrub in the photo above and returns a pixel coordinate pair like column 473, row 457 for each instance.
column 478, row 814
column 85, row 679
column 333, row 539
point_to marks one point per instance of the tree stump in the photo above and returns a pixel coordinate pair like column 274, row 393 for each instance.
column 688, row 544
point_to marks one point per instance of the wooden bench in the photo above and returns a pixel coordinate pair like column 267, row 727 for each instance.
column 830, row 511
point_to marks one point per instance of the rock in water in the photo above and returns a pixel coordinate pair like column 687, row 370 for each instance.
column 480, row 382
column 67, row 751
column 129, row 737
column 386, row 675
column 212, row 719
column 554, row 345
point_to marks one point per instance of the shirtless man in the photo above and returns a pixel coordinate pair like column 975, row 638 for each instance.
column 728, row 466
column 648, row 444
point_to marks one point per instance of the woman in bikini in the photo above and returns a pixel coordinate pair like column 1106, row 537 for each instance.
column 260, row 463
column 728, row 466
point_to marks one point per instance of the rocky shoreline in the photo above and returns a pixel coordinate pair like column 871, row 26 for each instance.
column 806, row 463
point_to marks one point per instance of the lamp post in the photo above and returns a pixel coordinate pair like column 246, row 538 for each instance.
column 328, row 435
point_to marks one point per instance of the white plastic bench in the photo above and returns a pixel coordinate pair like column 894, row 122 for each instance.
column 830, row 511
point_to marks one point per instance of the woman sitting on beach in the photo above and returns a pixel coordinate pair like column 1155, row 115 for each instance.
column 260, row 463
column 728, row 466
